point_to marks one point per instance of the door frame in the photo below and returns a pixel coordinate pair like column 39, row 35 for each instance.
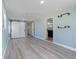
column 11, row 20
column 47, row 29
column 31, row 28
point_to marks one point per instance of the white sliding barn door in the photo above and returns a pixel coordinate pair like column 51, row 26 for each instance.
column 18, row 29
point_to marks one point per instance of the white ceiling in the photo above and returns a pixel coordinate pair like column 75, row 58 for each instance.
column 32, row 8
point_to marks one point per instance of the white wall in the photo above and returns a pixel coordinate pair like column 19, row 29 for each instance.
column 66, row 36
column 40, row 28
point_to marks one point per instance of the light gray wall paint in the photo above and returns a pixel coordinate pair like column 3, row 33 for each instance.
column 66, row 36
column 40, row 28
column 4, row 31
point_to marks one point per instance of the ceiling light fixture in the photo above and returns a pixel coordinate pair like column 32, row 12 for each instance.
column 48, row 23
column 42, row 2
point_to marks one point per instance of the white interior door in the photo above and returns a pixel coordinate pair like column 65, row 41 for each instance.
column 18, row 29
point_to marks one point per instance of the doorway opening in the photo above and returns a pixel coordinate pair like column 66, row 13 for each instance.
column 50, row 35
column 31, row 28
column 50, row 29
column 17, row 29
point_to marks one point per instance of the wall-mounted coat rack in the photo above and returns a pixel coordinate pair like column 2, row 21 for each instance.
column 63, row 27
column 63, row 14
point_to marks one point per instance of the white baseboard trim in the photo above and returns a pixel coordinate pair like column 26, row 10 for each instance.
column 67, row 47
column 64, row 46
column 5, row 50
column 39, row 37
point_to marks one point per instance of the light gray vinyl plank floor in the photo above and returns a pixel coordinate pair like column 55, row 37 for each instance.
column 32, row 48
